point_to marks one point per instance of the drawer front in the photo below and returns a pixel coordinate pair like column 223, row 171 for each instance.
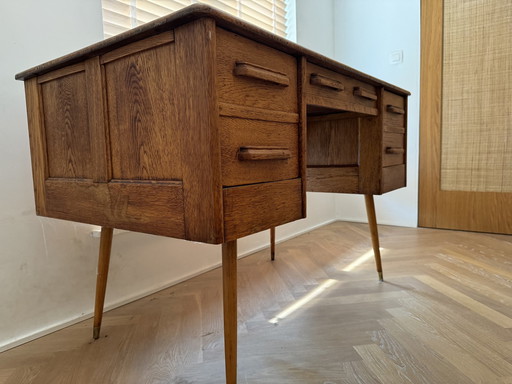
column 326, row 88
column 253, row 208
column 255, row 151
column 393, row 178
column 333, row 179
column 394, row 112
column 155, row 208
column 393, row 149
column 254, row 75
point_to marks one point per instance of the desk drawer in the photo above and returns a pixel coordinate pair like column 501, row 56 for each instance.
column 394, row 112
column 252, row 208
column 326, row 88
column 393, row 149
column 393, row 178
column 255, row 151
column 254, row 75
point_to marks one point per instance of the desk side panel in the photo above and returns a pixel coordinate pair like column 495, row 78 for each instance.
column 370, row 152
column 197, row 111
column 303, row 126
column 114, row 152
column 37, row 143
column 394, row 141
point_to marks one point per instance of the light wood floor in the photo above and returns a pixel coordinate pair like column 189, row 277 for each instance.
column 443, row 315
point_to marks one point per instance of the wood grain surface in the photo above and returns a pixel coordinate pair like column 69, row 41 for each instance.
column 370, row 155
column 66, row 124
column 197, row 112
column 143, row 207
column 253, row 208
column 141, row 102
column 333, row 142
column 335, row 98
column 232, row 51
column 37, row 143
column 238, row 133
column 98, row 122
column 333, row 179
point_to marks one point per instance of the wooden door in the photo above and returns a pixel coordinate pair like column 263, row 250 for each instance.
column 466, row 115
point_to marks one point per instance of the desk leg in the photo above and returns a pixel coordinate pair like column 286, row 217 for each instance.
column 101, row 279
column 372, row 222
column 272, row 243
column 229, row 282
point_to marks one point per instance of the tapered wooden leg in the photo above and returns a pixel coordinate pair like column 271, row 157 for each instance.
column 272, row 243
column 229, row 282
column 372, row 222
column 101, row 279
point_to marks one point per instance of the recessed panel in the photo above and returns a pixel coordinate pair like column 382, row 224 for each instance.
column 144, row 134
column 333, row 142
column 66, row 127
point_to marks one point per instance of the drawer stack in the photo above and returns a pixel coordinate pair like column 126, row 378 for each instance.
column 356, row 134
column 393, row 141
column 332, row 90
column 259, row 134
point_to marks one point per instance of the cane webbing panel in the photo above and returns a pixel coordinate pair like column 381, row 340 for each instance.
column 476, row 141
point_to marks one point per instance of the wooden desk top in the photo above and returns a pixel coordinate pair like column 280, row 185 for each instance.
column 222, row 19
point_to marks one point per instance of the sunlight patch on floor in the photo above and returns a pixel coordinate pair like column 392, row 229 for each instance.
column 303, row 301
column 361, row 259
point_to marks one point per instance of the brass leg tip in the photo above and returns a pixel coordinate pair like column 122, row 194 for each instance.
column 381, row 276
column 96, row 333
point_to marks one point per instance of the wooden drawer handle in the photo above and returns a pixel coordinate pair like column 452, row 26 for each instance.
column 324, row 81
column 364, row 93
column 261, row 73
column 393, row 109
column 263, row 153
column 395, row 151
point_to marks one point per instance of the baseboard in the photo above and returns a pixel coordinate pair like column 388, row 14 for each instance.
column 140, row 295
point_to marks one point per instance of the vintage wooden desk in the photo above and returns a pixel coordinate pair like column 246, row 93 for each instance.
column 202, row 127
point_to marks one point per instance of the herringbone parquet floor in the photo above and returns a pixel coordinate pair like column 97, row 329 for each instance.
column 315, row 315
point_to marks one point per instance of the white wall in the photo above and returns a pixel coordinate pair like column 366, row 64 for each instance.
column 42, row 262
column 48, row 267
column 315, row 25
column 366, row 32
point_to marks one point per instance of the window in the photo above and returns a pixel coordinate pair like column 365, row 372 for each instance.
column 121, row 15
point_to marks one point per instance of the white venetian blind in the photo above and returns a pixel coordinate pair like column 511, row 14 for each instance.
column 121, row 15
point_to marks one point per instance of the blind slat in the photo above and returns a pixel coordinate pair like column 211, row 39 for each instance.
column 120, row 15
column 115, row 18
column 254, row 7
